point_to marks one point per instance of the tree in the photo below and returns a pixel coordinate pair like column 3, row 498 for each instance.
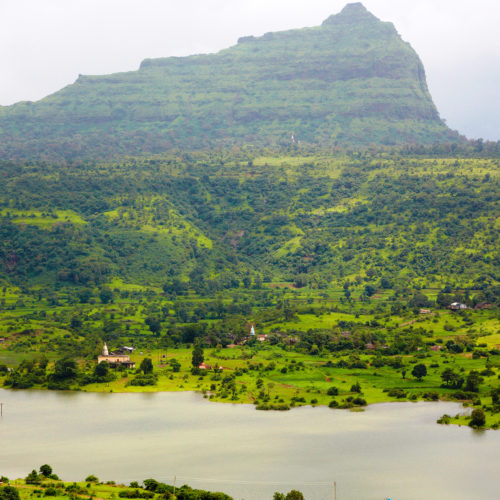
column 291, row 495
column 247, row 281
column 385, row 282
column 175, row 365
column 478, row 418
column 443, row 300
column 151, row 484
column 146, row 366
column 198, row 357
column 332, row 391
column 106, row 295
column 419, row 371
column 495, row 395
column 46, row 470
column 289, row 312
column 43, row 361
column 33, row 478
column 176, row 287
column 154, row 324
column 473, row 381
column 314, row 350
column 419, row 300
column 76, row 322
column 452, row 379
column 85, row 295
column 101, row 370
column 294, row 495
column 65, row 369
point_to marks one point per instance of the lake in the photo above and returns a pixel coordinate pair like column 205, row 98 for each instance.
column 391, row 450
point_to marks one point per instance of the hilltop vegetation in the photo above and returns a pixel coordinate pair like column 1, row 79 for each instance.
column 352, row 80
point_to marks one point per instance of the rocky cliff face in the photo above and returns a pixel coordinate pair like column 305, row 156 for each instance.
column 350, row 81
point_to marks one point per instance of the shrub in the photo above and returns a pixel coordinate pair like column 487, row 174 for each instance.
column 396, row 393
column 271, row 406
column 359, row 401
column 431, row 396
column 75, row 489
column 332, row 391
column 9, row 493
column 137, row 494
column 462, row 395
column 478, row 418
column 143, row 380
column 175, row 365
column 356, row 387
column 445, row 419
column 33, row 478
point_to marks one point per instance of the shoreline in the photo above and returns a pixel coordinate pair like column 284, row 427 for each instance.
column 460, row 419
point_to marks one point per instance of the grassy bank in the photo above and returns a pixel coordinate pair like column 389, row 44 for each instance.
column 37, row 486
column 278, row 377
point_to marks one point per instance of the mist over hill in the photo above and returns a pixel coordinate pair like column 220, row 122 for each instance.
column 351, row 81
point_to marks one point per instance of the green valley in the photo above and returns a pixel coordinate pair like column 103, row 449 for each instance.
column 346, row 261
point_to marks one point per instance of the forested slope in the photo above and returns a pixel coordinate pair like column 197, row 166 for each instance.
column 352, row 80
column 214, row 218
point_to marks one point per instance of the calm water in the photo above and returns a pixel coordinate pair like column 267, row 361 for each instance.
column 390, row 450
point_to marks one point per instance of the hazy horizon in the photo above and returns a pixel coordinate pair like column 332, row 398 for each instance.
column 49, row 43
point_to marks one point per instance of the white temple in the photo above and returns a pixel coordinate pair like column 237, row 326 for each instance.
column 114, row 359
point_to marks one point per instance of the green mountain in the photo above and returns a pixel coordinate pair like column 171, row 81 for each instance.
column 350, row 81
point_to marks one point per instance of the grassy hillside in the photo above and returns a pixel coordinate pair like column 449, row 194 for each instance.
column 351, row 80
column 215, row 219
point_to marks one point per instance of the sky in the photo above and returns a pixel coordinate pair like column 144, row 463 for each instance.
column 46, row 44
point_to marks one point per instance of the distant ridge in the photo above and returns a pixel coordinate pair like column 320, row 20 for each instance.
column 351, row 81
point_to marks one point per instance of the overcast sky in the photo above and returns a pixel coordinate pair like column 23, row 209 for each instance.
column 45, row 44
